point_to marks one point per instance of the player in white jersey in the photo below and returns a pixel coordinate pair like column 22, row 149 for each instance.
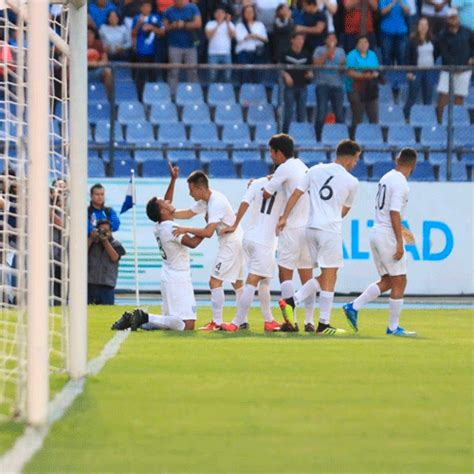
column 386, row 242
column 332, row 189
column 229, row 263
column 259, row 244
column 178, row 303
column 293, row 251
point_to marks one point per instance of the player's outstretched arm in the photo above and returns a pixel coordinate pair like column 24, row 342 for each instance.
column 396, row 221
column 174, row 173
column 191, row 241
column 297, row 193
column 183, row 214
column 240, row 214
column 205, row 233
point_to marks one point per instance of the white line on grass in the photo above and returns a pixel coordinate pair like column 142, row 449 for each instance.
column 14, row 460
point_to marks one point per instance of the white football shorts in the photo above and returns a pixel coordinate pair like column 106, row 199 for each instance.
column 293, row 251
column 384, row 246
column 461, row 82
column 229, row 264
column 178, row 300
column 260, row 258
column 325, row 248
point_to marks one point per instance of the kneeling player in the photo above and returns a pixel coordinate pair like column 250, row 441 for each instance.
column 259, row 243
column 386, row 242
column 179, row 305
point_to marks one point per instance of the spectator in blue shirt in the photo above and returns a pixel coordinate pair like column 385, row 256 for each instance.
column 98, row 211
column 362, row 82
column 146, row 28
column 183, row 23
column 99, row 11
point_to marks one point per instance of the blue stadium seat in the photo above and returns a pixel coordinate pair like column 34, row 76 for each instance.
column 189, row 93
column 438, row 158
column 401, row 135
column 102, row 132
column 303, row 133
column 463, row 136
column 155, row 168
column 163, row 113
column 435, row 136
column 254, row 169
column 460, row 115
column 196, row 113
column 228, row 114
column 181, row 155
column 93, row 155
column 219, row 94
column 390, row 115
column 126, row 92
column 263, row 133
column 148, row 155
column 118, row 155
column 156, row 93
column 311, row 95
column 214, row 155
column 96, row 168
column 98, row 111
column 385, row 94
column 96, row 92
column 275, row 95
column 241, row 156
column 371, row 157
column 204, row 134
column 312, row 157
column 131, row 112
column 261, row 113
column 122, row 168
column 123, row 74
column 379, row 169
column 423, row 172
column 221, row 169
column 334, row 133
column 252, row 94
column 360, row 170
column 236, row 134
column 422, row 115
column 172, row 133
column 468, row 158
column 140, row 133
column 369, row 134
column 458, row 172
column 188, row 166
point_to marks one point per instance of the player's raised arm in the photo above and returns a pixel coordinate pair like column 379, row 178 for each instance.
column 174, row 174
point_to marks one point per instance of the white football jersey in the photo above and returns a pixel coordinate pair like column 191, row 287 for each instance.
column 331, row 188
column 175, row 255
column 392, row 195
column 220, row 212
column 287, row 176
column 264, row 213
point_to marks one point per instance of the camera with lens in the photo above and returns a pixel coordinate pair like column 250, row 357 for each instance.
column 102, row 233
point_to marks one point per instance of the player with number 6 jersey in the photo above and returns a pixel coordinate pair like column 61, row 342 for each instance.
column 386, row 242
column 332, row 189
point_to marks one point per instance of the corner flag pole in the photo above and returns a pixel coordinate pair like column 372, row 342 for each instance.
column 134, row 237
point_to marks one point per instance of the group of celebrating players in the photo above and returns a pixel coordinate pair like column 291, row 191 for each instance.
column 296, row 212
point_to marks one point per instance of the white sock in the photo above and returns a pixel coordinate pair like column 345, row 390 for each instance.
column 264, row 297
column 287, row 289
column 309, row 304
column 325, row 304
column 245, row 302
column 217, row 301
column 395, row 310
column 308, row 289
column 238, row 294
column 371, row 293
column 166, row 322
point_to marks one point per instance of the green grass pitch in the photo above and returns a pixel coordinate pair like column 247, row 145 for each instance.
column 255, row 402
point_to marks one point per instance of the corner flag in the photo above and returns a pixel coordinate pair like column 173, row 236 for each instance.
column 129, row 201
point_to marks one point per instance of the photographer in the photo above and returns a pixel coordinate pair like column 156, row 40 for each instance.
column 102, row 266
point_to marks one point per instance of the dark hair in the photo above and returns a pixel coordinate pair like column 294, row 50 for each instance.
column 363, row 36
column 102, row 222
column 153, row 210
column 280, row 7
column 416, row 36
column 198, row 178
column 96, row 186
column 118, row 16
column 310, row 2
column 407, row 156
column 296, row 33
column 347, row 148
column 284, row 143
column 244, row 21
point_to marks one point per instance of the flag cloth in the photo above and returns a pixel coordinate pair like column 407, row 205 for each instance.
column 129, row 201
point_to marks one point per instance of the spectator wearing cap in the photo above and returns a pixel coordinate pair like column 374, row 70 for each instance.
column 313, row 23
column 358, row 20
column 455, row 45
column 295, row 80
column 219, row 33
column 183, row 23
column 99, row 11
column 329, row 86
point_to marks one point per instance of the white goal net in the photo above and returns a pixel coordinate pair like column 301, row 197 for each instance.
column 14, row 185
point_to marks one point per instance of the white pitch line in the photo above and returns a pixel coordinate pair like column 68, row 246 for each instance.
column 14, row 460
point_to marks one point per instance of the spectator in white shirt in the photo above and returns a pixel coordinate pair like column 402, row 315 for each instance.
column 219, row 33
column 115, row 38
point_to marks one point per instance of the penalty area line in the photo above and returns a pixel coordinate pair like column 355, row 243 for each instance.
column 25, row 447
